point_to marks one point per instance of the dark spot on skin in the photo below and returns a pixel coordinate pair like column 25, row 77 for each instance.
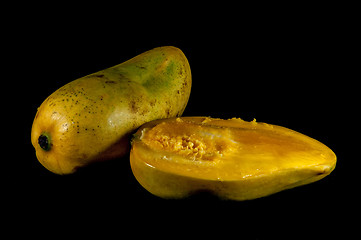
column 152, row 103
column 144, row 111
column 110, row 82
column 100, row 75
column 121, row 76
column 133, row 106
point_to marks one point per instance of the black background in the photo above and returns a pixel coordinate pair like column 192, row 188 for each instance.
column 288, row 68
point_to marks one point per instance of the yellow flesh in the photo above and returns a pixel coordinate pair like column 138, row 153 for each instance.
column 232, row 149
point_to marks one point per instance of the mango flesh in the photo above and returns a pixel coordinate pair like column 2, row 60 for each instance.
column 233, row 159
column 90, row 119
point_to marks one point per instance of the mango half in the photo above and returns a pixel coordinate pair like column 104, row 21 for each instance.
column 91, row 118
column 233, row 159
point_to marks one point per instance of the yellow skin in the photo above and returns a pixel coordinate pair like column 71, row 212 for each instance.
column 90, row 119
column 233, row 159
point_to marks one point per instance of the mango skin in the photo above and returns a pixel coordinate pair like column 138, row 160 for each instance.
column 232, row 159
column 90, row 119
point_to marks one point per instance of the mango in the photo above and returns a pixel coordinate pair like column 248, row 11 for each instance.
column 232, row 159
column 90, row 119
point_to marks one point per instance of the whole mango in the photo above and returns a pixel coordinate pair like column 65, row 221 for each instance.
column 90, row 119
column 233, row 159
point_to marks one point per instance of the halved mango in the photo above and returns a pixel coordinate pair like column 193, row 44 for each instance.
column 233, row 159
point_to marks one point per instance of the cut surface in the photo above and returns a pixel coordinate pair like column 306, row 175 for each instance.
column 192, row 141
column 229, row 150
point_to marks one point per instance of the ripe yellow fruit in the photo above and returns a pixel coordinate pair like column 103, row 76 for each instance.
column 233, row 159
column 90, row 119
